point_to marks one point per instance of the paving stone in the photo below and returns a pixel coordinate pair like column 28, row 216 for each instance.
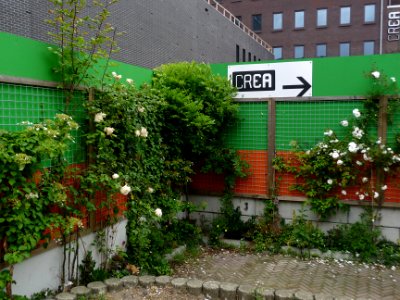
column 284, row 294
column 228, row 290
column 81, row 291
column 97, row 287
column 147, row 280
column 265, row 293
column 211, row 289
column 303, row 295
column 179, row 283
column 194, row 286
column 66, row 296
column 129, row 281
column 322, row 296
column 325, row 279
column 246, row 292
column 113, row 284
column 163, row 280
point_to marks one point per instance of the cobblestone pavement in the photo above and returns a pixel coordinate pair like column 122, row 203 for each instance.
column 325, row 279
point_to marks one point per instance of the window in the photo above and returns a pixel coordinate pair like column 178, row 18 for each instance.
column 345, row 15
column 277, row 21
column 249, row 56
column 277, row 52
column 299, row 51
column 237, row 53
column 299, row 19
column 369, row 47
column 257, row 22
column 243, row 55
column 344, row 49
column 320, row 50
column 369, row 13
column 322, row 17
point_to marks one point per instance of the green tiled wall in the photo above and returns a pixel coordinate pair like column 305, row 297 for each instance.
column 251, row 132
column 305, row 122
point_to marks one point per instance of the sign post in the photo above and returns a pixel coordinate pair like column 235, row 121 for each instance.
column 275, row 80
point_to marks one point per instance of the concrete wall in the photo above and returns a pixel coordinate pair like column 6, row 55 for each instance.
column 388, row 223
column 157, row 31
column 43, row 271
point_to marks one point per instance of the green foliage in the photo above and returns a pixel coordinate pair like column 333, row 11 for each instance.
column 229, row 223
column 268, row 229
column 360, row 238
column 86, row 269
column 145, row 242
column 199, row 108
column 82, row 40
column 25, row 194
column 302, row 234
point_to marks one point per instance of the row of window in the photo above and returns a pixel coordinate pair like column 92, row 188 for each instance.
column 321, row 50
column 321, row 18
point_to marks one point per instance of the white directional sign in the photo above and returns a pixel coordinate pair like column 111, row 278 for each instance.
column 285, row 79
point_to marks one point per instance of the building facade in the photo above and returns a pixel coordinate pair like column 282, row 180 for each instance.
column 319, row 28
column 156, row 31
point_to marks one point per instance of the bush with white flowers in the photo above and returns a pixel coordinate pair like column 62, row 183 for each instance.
column 327, row 171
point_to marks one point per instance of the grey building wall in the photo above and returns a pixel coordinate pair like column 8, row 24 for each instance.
column 157, row 31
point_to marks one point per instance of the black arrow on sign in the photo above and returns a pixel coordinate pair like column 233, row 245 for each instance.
column 305, row 86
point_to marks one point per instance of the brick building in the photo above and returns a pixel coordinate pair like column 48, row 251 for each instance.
column 319, row 28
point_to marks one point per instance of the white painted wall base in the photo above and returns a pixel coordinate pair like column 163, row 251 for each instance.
column 43, row 271
column 389, row 222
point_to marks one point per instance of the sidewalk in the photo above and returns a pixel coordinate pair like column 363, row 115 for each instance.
column 320, row 279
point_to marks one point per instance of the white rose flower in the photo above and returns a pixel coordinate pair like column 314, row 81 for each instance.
column 109, row 130
column 376, row 74
column 386, row 169
column 357, row 133
column 393, row 79
column 99, row 117
column 344, row 123
column 361, row 197
column 376, row 195
column 114, row 74
column 137, row 132
column 115, row 176
column 143, row 132
column 384, row 187
column 340, row 162
column 335, row 155
column 141, row 109
column 125, row 190
column 359, row 163
column 329, row 181
column 328, row 133
column 118, row 77
column 365, row 180
column 353, row 148
column 158, row 212
column 356, row 113
column 150, row 190
column 129, row 81
column 344, row 192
